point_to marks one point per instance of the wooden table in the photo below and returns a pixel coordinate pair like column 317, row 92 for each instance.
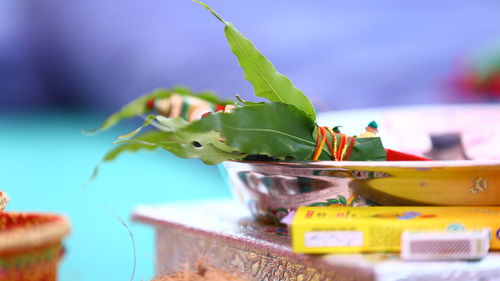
column 222, row 233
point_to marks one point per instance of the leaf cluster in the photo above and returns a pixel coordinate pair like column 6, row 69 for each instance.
column 283, row 128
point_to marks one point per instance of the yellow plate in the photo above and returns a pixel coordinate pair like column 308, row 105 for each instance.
column 430, row 182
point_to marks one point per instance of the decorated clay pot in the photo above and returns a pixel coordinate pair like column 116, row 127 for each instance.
column 30, row 245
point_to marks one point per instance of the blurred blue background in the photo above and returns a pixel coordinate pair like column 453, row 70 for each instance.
column 65, row 65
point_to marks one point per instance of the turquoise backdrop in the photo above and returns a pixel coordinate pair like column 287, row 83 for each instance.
column 44, row 163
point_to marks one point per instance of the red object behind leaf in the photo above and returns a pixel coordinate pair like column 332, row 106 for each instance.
column 219, row 107
column 393, row 155
column 150, row 103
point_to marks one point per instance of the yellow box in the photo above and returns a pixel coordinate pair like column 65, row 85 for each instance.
column 378, row 229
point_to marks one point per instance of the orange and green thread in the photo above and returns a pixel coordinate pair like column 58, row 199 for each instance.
column 340, row 152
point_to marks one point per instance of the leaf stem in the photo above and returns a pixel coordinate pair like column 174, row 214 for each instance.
column 269, row 131
column 211, row 11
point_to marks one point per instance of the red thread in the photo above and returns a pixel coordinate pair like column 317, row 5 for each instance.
column 351, row 145
column 150, row 103
column 341, row 146
column 220, row 107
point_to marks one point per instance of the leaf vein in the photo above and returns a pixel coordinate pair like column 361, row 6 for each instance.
column 269, row 131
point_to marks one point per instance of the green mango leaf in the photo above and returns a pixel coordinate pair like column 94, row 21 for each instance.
column 198, row 133
column 146, row 123
column 206, row 146
column 207, row 153
column 193, row 143
column 201, row 139
column 146, row 141
column 132, row 109
column 261, row 73
column 278, row 130
column 368, row 149
column 172, row 124
column 138, row 106
column 275, row 129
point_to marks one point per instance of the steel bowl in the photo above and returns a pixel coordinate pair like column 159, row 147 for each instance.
column 272, row 189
